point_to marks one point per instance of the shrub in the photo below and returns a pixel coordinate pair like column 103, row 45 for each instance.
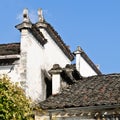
column 13, row 103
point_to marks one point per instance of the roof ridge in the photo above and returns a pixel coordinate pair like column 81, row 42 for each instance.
column 9, row 43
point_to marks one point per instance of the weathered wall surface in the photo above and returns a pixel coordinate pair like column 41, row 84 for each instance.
column 36, row 58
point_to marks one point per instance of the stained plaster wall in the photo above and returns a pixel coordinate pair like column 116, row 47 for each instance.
column 36, row 58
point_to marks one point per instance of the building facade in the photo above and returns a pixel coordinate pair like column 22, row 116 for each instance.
column 40, row 48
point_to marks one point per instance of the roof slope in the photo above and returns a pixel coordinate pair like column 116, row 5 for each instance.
column 91, row 91
column 10, row 49
column 58, row 40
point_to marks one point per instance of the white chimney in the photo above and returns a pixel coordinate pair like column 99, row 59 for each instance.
column 56, row 78
column 78, row 57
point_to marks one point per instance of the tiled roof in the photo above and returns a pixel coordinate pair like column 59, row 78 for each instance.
column 91, row 91
column 56, row 37
column 10, row 49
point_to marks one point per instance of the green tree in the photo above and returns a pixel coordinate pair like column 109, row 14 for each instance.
column 13, row 103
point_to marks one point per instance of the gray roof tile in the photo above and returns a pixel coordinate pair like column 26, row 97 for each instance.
column 10, row 49
column 91, row 91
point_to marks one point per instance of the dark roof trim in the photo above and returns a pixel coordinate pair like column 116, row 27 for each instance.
column 9, row 61
column 87, row 59
column 34, row 30
column 58, row 40
column 38, row 35
column 10, row 49
column 101, row 107
column 23, row 25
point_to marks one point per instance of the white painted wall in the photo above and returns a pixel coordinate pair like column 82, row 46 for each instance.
column 85, row 69
column 11, row 71
column 53, row 54
column 5, row 69
column 36, row 58
column 56, row 83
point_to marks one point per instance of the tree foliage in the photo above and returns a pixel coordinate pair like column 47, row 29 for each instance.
column 13, row 103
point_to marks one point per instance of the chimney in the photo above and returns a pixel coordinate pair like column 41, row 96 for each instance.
column 56, row 78
column 24, row 46
column 78, row 57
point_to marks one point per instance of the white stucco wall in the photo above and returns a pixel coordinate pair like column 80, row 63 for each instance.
column 11, row 71
column 56, row 84
column 53, row 54
column 85, row 68
column 31, row 63
column 38, row 58
column 5, row 69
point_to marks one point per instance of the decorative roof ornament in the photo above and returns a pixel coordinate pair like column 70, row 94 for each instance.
column 40, row 15
column 78, row 51
column 25, row 15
